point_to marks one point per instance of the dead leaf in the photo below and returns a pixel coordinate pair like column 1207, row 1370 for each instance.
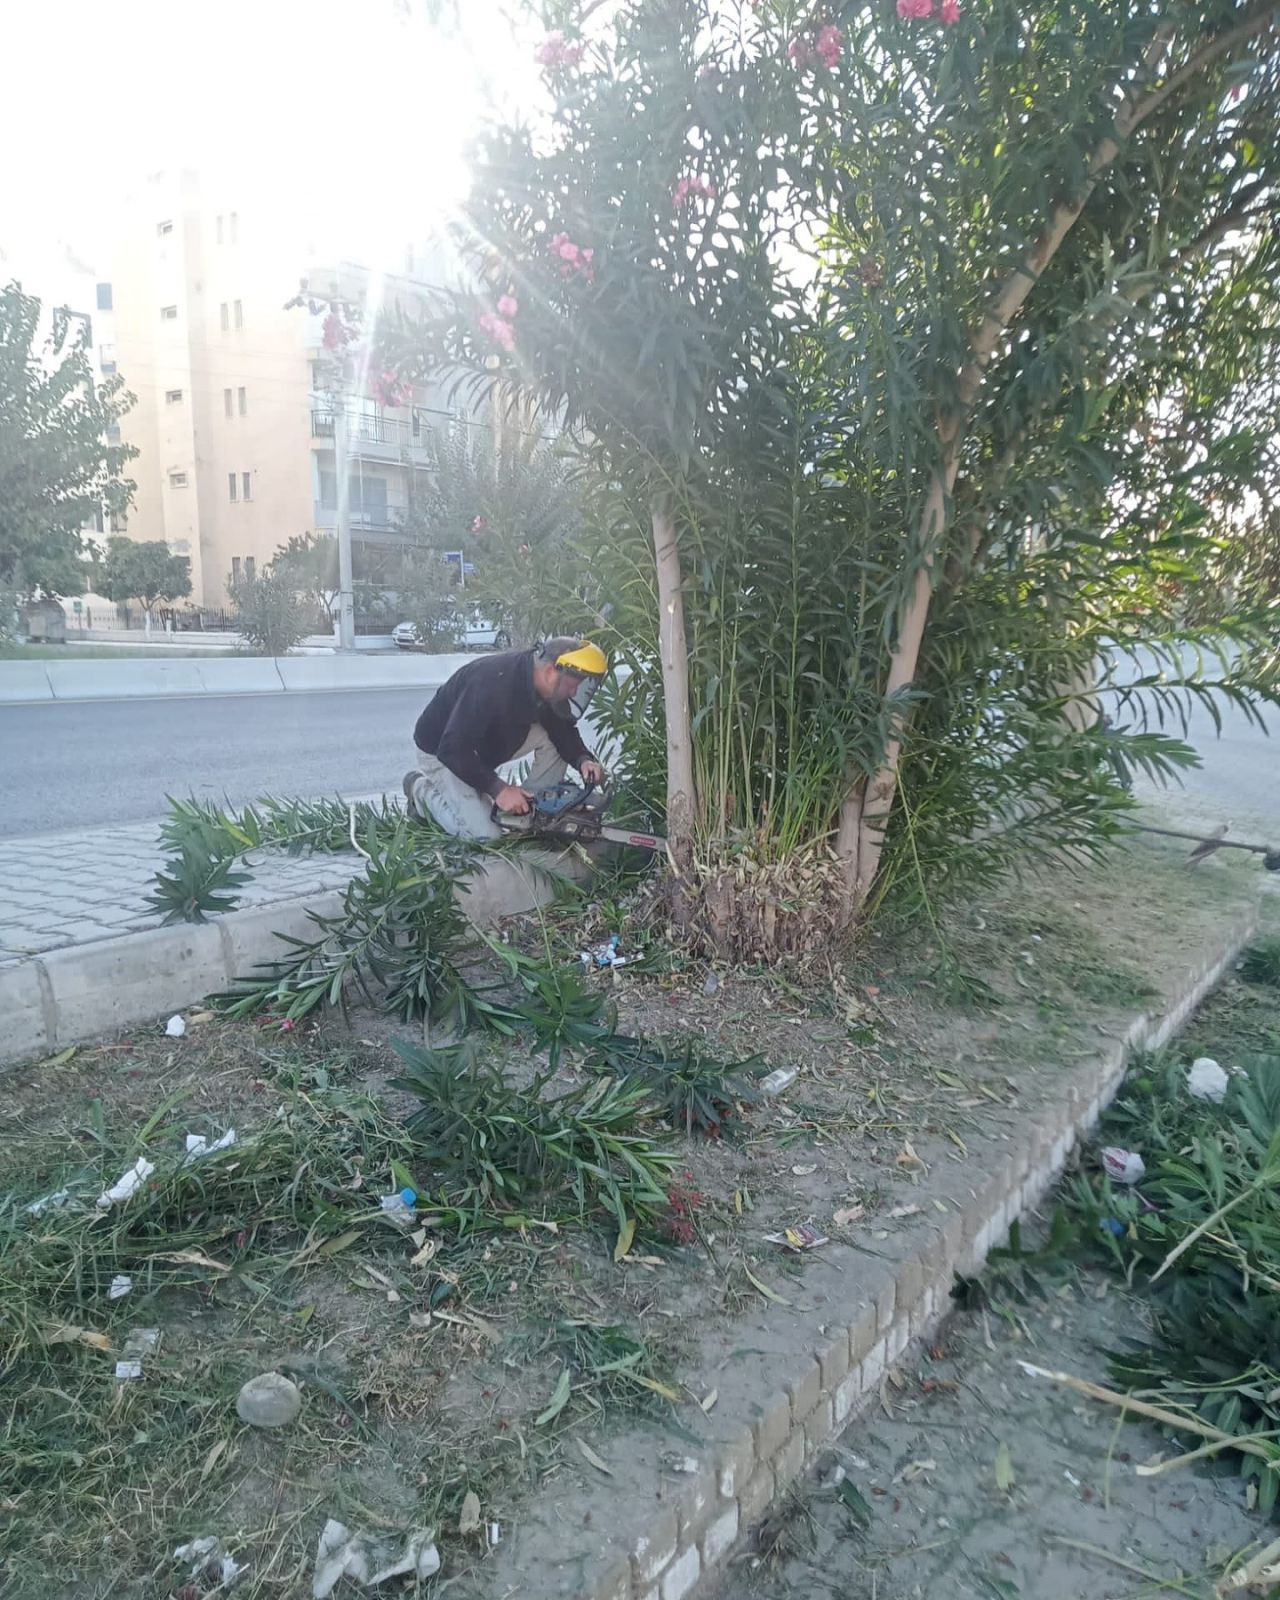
column 215, row 1455
column 192, row 1258
column 914, row 1470
column 626, row 1233
column 708, row 1400
column 590, row 1455
column 804, row 1171
column 65, row 1333
column 425, row 1254
column 1004, row 1469
column 200, row 1016
column 906, row 1211
column 848, row 1214
column 62, row 1057
column 908, row 1156
column 469, row 1521
column 765, row 1290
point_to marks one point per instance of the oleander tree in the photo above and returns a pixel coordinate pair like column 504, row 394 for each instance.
column 908, row 348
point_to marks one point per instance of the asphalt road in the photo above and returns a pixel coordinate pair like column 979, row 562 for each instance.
column 79, row 764
column 83, row 764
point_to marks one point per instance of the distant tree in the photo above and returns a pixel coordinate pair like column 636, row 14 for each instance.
column 57, row 468
column 311, row 559
column 143, row 570
column 512, row 505
column 269, row 615
column 426, row 595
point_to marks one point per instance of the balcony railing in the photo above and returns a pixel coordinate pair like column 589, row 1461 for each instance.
column 372, row 432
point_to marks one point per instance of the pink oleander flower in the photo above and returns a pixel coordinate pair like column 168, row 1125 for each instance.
column 499, row 330
column 949, row 12
column 554, row 52
column 571, row 258
column 692, row 186
column 508, row 305
column 800, row 52
column 479, row 524
column 913, row 10
column 829, row 43
column 388, row 389
column 335, row 332
column 708, row 69
column 1236, row 95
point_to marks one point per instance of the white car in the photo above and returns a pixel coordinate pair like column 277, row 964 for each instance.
column 478, row 634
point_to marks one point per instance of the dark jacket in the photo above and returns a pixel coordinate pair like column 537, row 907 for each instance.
column 482, row 716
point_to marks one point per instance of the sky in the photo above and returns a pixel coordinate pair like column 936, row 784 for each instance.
column 359, row 109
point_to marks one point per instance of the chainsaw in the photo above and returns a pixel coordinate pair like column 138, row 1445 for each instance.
column 572, row 811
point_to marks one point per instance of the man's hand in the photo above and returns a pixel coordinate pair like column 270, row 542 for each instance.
column 592, row 771
column 512, row 799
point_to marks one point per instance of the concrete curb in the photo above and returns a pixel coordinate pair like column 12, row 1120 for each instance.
column 25, row 682
column 68, row 995
column 807, row 1372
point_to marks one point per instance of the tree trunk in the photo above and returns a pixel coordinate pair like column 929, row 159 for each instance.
column 675, row 686
column 865, row 813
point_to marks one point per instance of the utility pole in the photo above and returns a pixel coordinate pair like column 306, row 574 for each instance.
column 346, row 590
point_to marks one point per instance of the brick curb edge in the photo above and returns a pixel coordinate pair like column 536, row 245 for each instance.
column 50, row 1001
column 825, row 1383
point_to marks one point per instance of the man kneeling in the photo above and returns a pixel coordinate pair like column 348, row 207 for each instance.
column 497, row 709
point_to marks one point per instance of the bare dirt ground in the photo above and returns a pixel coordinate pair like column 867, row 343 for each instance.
column 1065, row 1517
column 972, row 1479
column 425, row 1373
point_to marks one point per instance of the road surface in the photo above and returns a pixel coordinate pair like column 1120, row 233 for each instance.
column 73, row 764
column 76, row 764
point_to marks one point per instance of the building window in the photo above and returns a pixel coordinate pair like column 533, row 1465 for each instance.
column 226, row 401
column 235, row 228
column 108, row 366
column 219, row 228
column 104, row 297
column 235, row 569
column 180, row 547
column 164, row 227
column 113, row 433
column 242, row 402
column 168, row 313
column 231, row 486
column 172, row 397
column 225, row 312
column 98, row 524
column 177, row 480
column 250, row 568
column 239, row 315
column 246, row 480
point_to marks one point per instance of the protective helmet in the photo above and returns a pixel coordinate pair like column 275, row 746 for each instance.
column 585, row 661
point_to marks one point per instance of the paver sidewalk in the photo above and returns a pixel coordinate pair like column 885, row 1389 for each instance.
column 63, row 889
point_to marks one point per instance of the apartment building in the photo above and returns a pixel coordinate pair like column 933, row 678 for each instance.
column 235, row 415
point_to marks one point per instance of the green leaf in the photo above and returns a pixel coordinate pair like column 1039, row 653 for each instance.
column 559, row 1399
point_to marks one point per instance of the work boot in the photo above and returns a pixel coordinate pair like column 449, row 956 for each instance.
column 409, row 784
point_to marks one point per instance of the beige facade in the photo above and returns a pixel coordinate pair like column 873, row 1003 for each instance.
column 220, row 375
column 234, row 432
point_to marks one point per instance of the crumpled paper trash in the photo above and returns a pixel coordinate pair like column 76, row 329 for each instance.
column 1206, row 1080
column 198, row 1145
column 209, row 1560
column 127, row 1184
column 175, row 1027
column 372, row 1558
column 1123, row 1166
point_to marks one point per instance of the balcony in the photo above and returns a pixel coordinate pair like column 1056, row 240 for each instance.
column 367, row 527
column 373, row 437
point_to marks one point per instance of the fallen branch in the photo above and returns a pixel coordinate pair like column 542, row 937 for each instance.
column 1264, row 1180
column 1235, row 1442
column 1170, row 1419
column 1263, row 1569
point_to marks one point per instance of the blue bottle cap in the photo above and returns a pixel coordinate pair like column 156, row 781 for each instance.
column 409, row 1196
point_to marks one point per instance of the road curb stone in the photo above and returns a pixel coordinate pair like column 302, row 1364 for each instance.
column 766, row 1440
